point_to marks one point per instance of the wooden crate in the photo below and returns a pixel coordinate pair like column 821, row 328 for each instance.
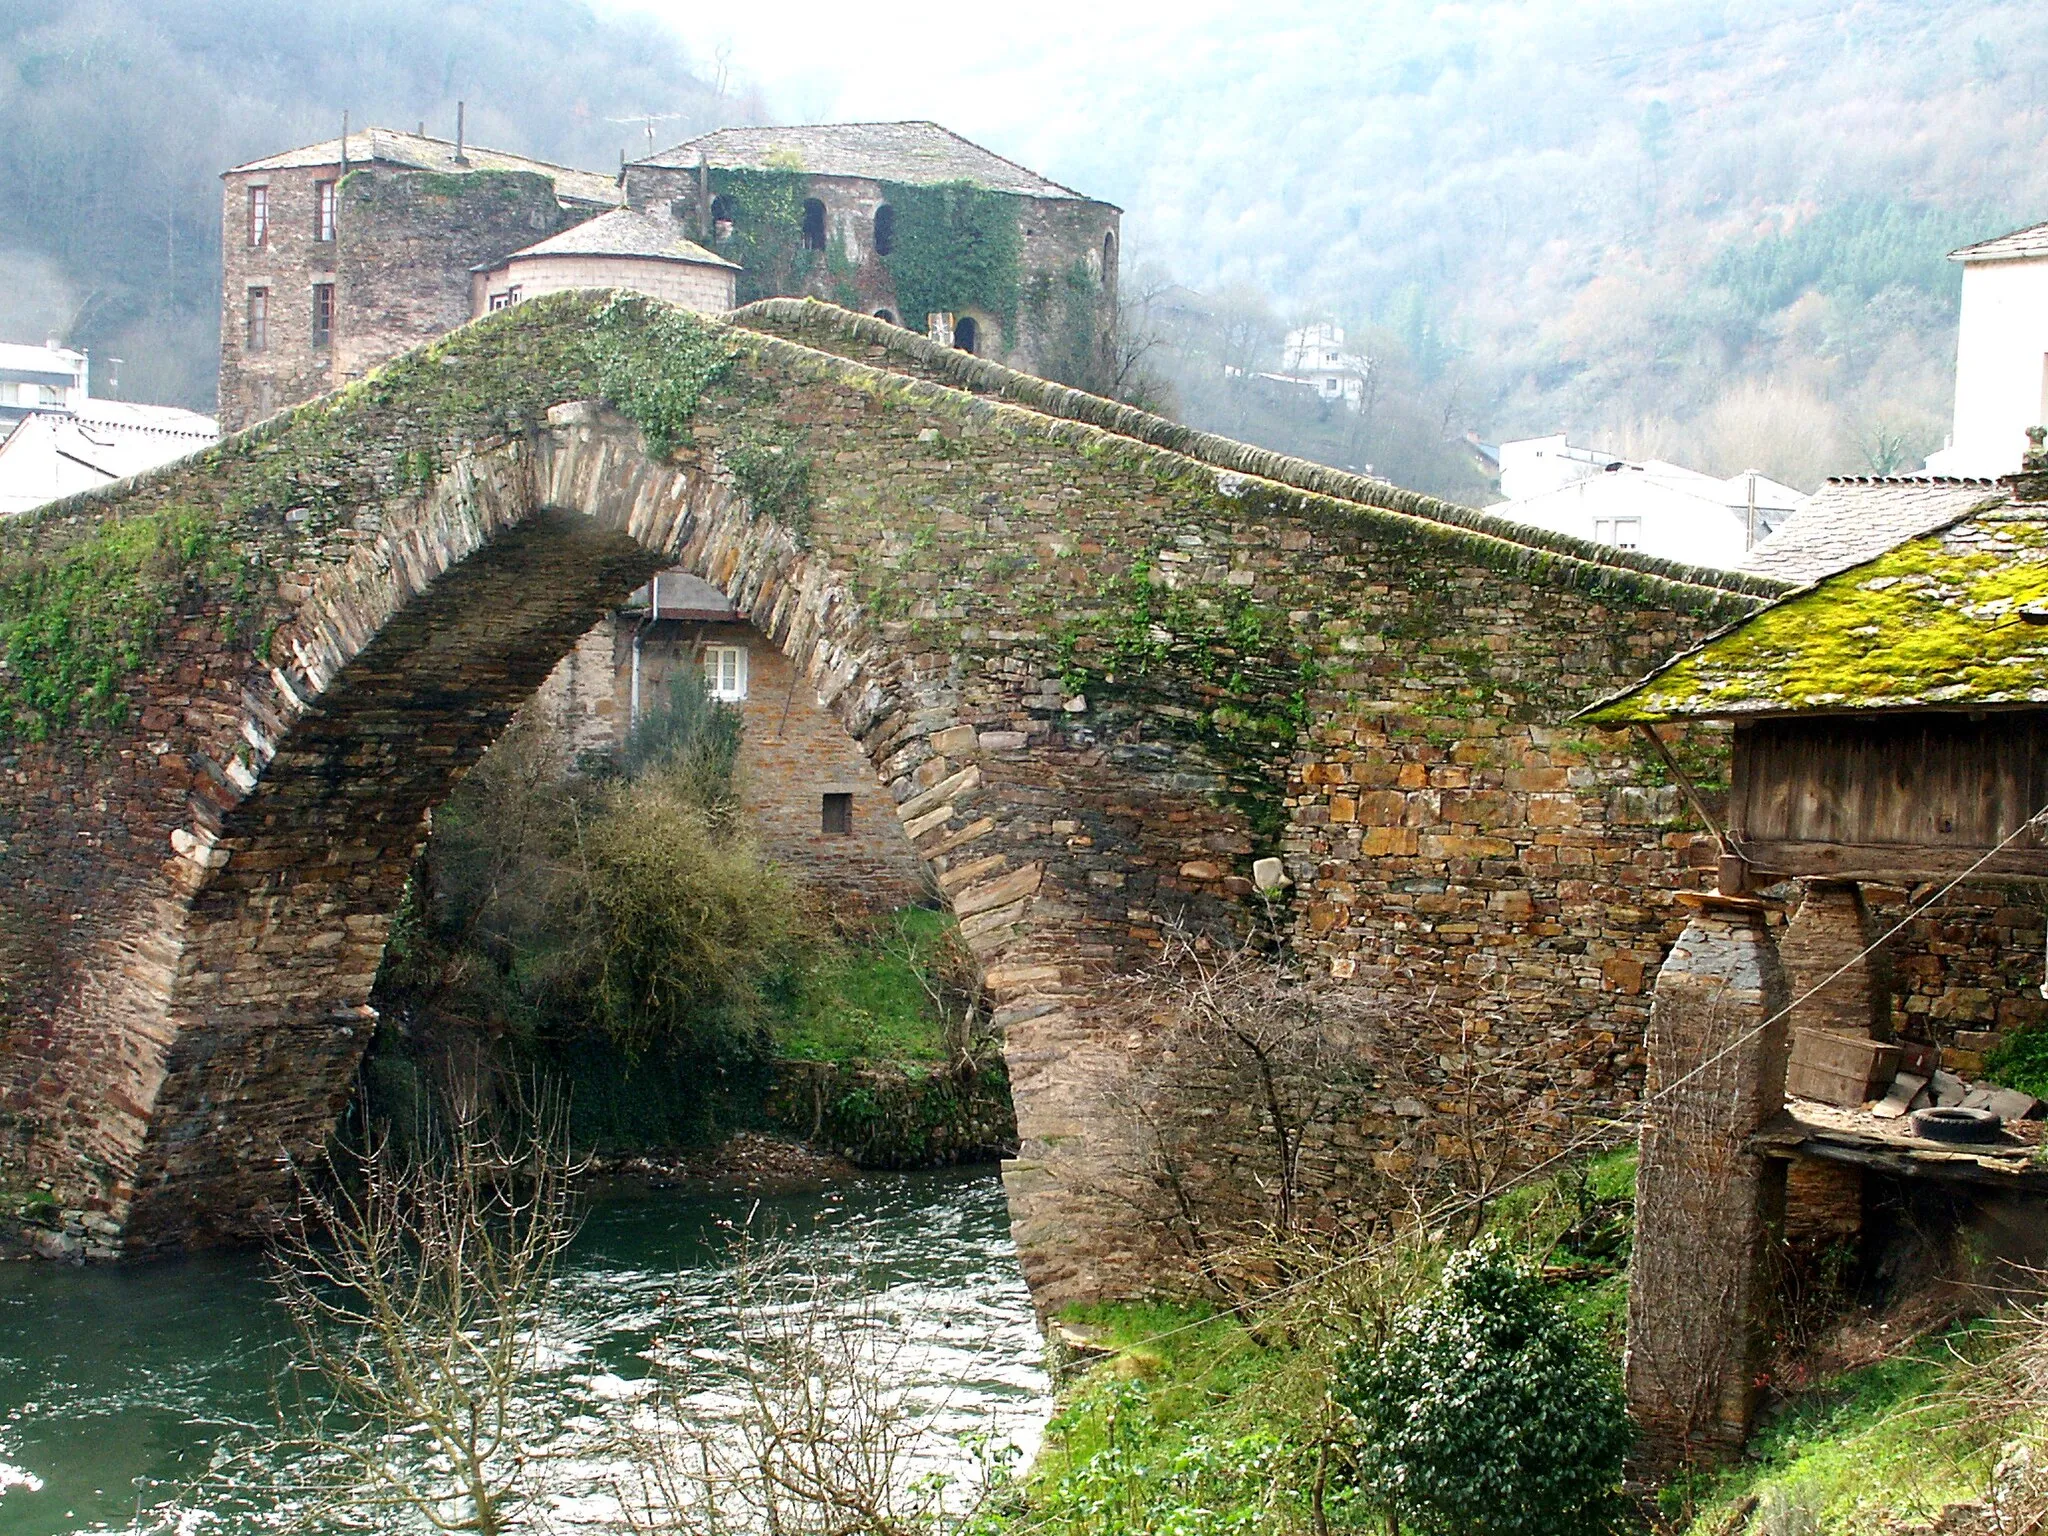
column 1846, row 1070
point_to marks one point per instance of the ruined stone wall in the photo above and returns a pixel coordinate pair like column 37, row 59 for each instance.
column 1099, row 677
column 1068, row 263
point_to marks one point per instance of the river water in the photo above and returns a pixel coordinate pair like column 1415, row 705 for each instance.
column 120, row 1384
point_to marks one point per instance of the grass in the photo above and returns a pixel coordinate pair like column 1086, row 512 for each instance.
column 1891, row 1441
column 1202, row 1420
column 866, row 1000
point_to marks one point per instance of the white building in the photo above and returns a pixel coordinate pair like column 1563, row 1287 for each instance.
column 2001, row 354
column 1312, row 357
column 1659, row 508
column 59, row 440
column 45, row 378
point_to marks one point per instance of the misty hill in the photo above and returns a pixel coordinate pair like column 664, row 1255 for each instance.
column 1707, row 230
column 116, row 120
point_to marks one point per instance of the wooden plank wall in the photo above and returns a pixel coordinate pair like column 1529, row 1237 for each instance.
column 1879, row 797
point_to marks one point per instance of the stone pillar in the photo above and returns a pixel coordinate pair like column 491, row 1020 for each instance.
column 1707, row 1209
column 1829, row 933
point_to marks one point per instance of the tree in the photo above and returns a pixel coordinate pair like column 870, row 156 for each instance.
column 419, row 1287
column 1487, row 1411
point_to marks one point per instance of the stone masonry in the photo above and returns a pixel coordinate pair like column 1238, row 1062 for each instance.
column 1696, row 1281
column 1103, row 664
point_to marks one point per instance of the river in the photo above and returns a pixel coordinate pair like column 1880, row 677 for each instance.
column 119, row 1383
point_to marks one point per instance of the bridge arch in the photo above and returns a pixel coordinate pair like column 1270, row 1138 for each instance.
column 1101, row 674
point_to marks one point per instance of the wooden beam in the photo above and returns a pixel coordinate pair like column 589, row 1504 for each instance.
column 1892, row 863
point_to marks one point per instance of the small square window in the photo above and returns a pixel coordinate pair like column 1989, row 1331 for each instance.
column 836, row 819
column 725, row 672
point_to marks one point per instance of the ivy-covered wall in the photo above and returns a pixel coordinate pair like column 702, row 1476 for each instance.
column 1028, row 270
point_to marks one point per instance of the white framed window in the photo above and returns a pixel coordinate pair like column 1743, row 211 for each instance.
column 725, row 672
column 1621, row 532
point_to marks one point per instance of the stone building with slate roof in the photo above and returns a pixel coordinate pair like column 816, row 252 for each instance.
column 645, row 250
column 1854, row 518
column 908, row 222
column 340, row 255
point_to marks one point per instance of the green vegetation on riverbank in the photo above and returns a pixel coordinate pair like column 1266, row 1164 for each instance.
column 1208, row 1419
column 612, row 927
column 1896, row 1440
column 1202, row 1420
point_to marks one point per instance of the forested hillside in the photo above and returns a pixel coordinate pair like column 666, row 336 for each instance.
column 1711, row 230
column 117, row 117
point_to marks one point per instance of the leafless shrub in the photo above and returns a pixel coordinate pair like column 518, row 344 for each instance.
column 824, row 1433
column 1234, row 1122
column 418, row 1287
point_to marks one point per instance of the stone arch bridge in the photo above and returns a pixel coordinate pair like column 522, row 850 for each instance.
column 1105, row 662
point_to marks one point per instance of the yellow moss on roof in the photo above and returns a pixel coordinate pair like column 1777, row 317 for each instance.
column 1955, row 619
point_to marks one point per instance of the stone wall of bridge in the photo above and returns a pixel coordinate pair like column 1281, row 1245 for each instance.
column 1101, row 675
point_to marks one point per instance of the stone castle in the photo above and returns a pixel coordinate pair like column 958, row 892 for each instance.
column 339, row 256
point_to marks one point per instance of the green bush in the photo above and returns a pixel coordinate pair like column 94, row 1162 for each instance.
column 2021, row 1061
column 1487, row 1411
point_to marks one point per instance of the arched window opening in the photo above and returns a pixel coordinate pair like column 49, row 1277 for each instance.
column 886, row 314
column 966, row 334
column 814, row 224
column 885, row 230
column 1109, row 258
column 721, row 218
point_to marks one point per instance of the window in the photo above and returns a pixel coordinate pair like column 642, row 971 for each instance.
column 836, row 817
column 506, row 299
column 323, row 210
column 721, row 219
column 1109, row 258
column 259, row 216
column 1621, row 532
column 966, row 334
column 323, row 314
column 885, row 230
column 814, row 224
column 258, row 336
column 883, row 314
column 725, row 672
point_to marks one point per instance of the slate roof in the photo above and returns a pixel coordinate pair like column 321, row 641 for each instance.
column 918, row 153
column 622, row 232
column 422, row 152
column 2017, row 246
column 1853, row 518
column 1957, row 618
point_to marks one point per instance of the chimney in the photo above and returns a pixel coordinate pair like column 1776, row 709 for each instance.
column 344, row 143
column 460, row 157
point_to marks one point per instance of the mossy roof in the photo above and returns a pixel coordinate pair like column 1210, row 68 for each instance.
column 1955, row 619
